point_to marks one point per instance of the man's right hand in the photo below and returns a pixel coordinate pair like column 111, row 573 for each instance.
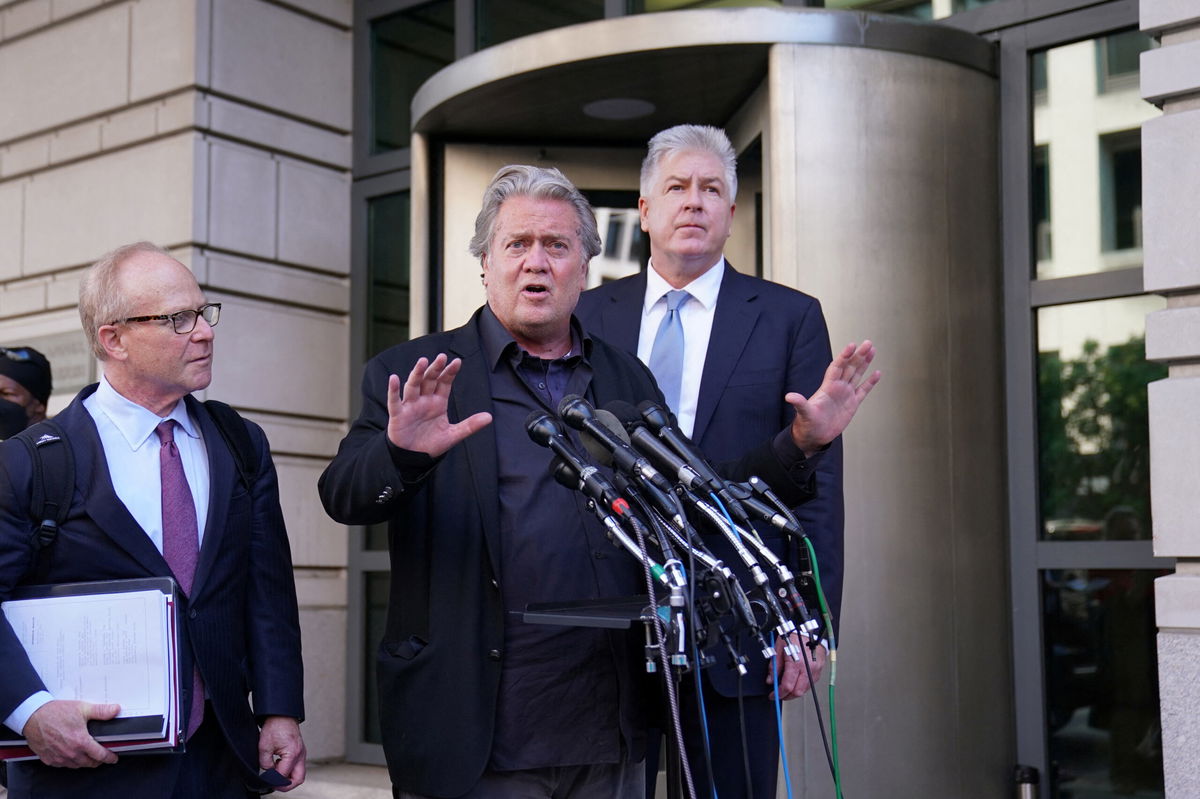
column 417, row 419
column 57, row 733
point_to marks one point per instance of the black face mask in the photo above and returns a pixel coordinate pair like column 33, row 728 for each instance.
column 13, row 419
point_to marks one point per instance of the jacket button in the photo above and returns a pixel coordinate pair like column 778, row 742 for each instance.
column 493, row 654
column 496, row 584
column 193, row 613
column 387, row 493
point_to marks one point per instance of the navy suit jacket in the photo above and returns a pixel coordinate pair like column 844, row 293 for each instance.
column 241, row 623
column 766, row 340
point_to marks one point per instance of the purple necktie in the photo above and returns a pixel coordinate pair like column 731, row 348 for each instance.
column 181, row 541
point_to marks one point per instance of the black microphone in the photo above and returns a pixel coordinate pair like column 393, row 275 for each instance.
column 648, row 444
column 660, row 422
column 545, row 430
column 579, row 414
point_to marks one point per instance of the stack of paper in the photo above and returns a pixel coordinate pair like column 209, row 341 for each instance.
column 104, row 642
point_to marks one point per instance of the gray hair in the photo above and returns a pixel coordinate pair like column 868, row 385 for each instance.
column 674, row 140
column 100, row 299
column 539, row 183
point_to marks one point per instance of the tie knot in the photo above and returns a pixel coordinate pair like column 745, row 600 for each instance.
column 675, row 298
column 166, row 431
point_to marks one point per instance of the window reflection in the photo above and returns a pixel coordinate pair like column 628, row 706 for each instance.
column 1093, row 433
column 498, row 21
column 1102, row 683
column 1087, row 116
column 406, row 49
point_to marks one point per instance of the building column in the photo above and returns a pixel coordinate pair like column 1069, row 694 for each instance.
column 1170, row 78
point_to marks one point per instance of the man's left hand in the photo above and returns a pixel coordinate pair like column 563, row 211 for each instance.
column 794, row 681
column 822, row 417
column 280, row 747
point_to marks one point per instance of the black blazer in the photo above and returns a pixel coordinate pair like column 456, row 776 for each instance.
column 766, row 340
column 241, row 622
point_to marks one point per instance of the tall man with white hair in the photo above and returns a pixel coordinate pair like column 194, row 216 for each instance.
column 731, row 352
column 158, row 492
column 475, row 702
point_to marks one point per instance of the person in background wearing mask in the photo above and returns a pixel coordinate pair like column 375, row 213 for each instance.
column 25, row 386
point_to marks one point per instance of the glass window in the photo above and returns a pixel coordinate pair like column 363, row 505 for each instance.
column 645, row 6
column 915, row 10
column 498, row 21
column 376, row 586
column 967, row 5
column 387, row 271
column 1102, row 682
column 1093, row 434
column 1121, row 190
column 1087, row 164
column 1117, row 60
column 406, row 49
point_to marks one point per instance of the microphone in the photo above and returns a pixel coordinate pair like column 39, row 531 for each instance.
column 545, row 430
column 646, row 442
column 660, row 422
column 579, row 414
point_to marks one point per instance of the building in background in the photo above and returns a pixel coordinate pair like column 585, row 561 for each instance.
column 1012, row 547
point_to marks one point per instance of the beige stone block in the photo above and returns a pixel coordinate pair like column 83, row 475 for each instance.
column 61, row 9
column 1177, row 601
column 1173, row 334
column 272, row 281
column 316, row 539
column 1179, row 701
column 277, row 58
column 1171, row 206
column 1157, row 15
column 321, row 589
column 323, row 633
column 256, row 364
column 26, row 156
column 1174, row 463
column 70, row 71
column 290, row 136
column 76, row 213
column 314, row 217
column 163, row 47
column 12, row 213
column 242, row 199
column 24, row 17
column 63, row 290
column 125, row 127
column 75, row 142
column 25, row 298
column 176, row 113
column 1170, row 71
column 290, row 435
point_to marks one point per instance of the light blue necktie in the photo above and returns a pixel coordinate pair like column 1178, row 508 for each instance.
column 666, row 357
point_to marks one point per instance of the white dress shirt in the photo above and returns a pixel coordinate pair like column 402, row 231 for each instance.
column 696, row 316
column 131, row 449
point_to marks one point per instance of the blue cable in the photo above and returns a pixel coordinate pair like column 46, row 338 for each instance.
column 787, row 776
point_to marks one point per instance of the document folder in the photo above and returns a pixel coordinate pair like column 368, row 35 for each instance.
column 114, row 641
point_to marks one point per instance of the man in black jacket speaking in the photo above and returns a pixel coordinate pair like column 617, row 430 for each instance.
column 476, row 702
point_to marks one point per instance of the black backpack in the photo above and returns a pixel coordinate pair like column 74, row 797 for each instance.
column 54, row 473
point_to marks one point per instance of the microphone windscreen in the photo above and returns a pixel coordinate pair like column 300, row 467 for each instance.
column 600, row 454
column 626, row 414
column 612, row 424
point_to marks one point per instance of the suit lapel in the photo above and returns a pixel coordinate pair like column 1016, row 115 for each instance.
column 103, row 505
column 472, row 394
column 621, row 315
column 735, row 317
column 222, row 476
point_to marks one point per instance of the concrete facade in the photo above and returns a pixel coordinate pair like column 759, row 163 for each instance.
column 219, row 129
column 1171, row 172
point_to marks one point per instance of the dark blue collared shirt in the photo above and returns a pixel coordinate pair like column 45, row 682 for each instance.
column 559, row 699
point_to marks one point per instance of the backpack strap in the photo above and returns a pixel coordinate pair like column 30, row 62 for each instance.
column 53, row 475
column 233, row 430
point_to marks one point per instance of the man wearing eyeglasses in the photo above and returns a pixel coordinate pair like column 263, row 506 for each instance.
column 25, row 384
column 158, row 493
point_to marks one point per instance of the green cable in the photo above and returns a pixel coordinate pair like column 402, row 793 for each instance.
column 837, row 768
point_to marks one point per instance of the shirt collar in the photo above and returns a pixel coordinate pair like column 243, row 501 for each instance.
column 135, row 423
column 498, row 343
column 704, row 289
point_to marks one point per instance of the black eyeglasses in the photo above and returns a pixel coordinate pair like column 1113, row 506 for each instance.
column 183, row 321
column 19, row 354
